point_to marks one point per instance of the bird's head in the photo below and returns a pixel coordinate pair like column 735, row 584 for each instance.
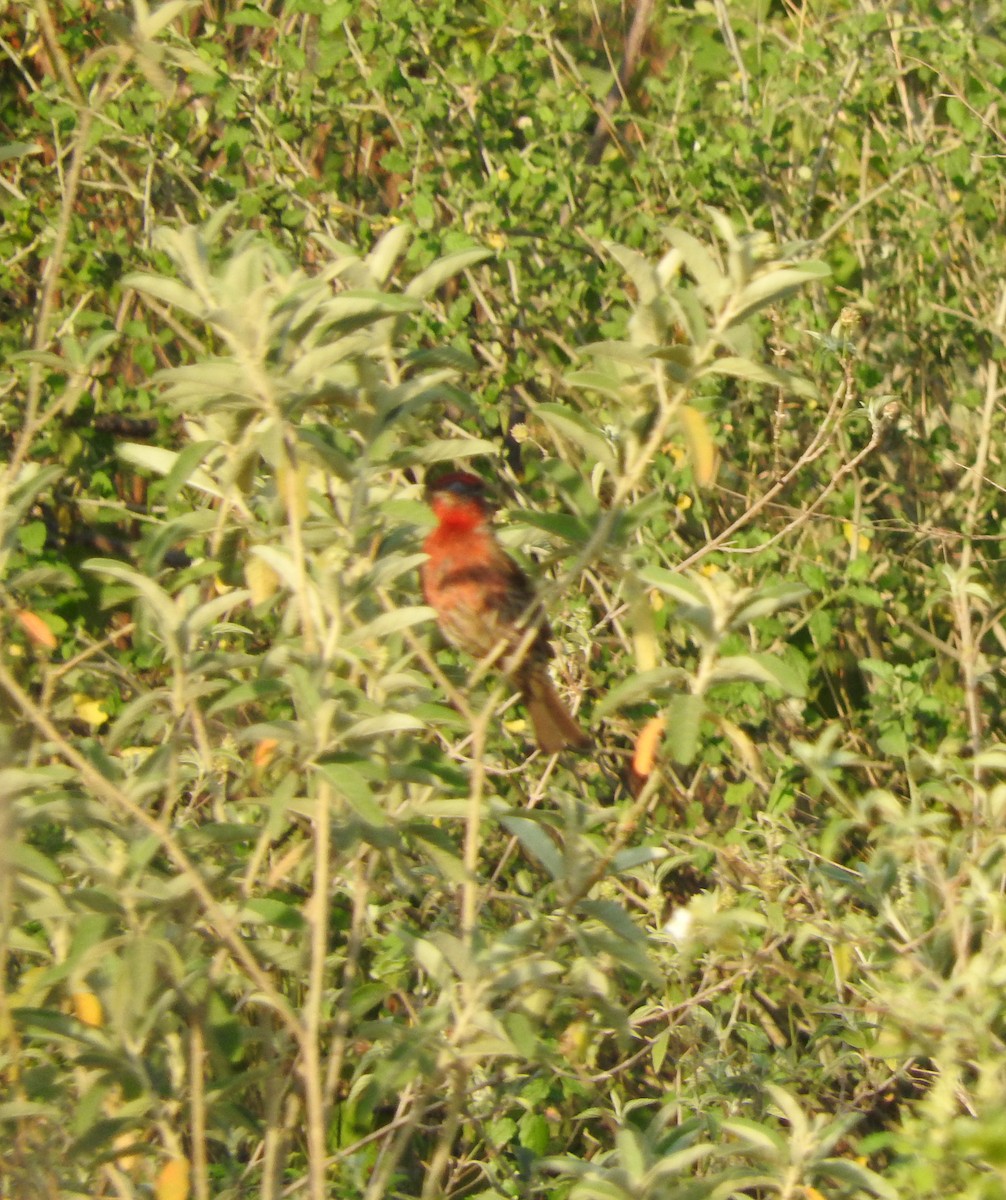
column 456, row 492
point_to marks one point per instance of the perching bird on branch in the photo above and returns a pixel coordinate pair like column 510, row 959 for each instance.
column 486, row 605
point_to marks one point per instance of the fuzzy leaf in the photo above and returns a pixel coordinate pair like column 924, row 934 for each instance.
column 390, row 622
column 774, row 286
column 168, row 462
column 576, row 428
column 161, row 604
column 439, row 272
column 701, row 266
column 643, row 686
column 170, row 291
column 767, row 601
column 388, row 250
column 746, row 368
column 684, row 716
column 536, row 842
column 639, row 269
column 371, row 727
column 758, row 668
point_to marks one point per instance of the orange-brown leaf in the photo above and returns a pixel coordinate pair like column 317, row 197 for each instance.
column 87, row 1009
column 173, row 1180
column 36, row 629
column 647, row 745
column 263, row 753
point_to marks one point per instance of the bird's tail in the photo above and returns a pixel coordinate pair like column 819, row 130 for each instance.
column 554, row 726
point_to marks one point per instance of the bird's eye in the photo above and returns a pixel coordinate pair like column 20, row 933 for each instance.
column 463, row 487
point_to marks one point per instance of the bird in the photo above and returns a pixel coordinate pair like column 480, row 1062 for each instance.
column 487, row 606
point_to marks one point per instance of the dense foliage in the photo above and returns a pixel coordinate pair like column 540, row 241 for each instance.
column 288, row 906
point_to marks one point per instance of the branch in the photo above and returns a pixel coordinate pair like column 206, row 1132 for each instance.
column 604, row 129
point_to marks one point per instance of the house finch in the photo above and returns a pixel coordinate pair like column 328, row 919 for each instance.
column 486, row 605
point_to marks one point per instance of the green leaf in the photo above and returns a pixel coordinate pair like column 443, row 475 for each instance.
column 31, row 861
column 639, row 269
column 178, row 468
column 349, row 782
column 681, row 587
column 758, row 668
column 536, row 842
column 30, row 483
column 759, row 1137
column 632, row 1153
column 32, row 536
column 14, row 780
column 445, row 450
column 623, row 352
column 501, row 1130
column 279, row 560
column 768, row 600
column 992, row 758
column 534, row 1133
column 695, row 603
column 683, row 1160
column 274, row 912
column 14, row 1111
column 313, row 365
column 774, row 286
column 746, row 368
column 565, row 526
column 368, row 305
column 205, row 615
column 44, row 1020
column 684, row 717
column 169, row 616
column 658, row 1049
column 150, row 23
column 439, row 272
column 253, row 17
column 372, row 727
column 616, row 919
column 11, row 150
column 637, row 856
column 456, row 358
column 248, row 692
column 792, row 1111
column 220, row 382
column 860, row 1177
column 713, row 284
column 646, row 685
column 598, row 381
column 389, row 249
column 449, row 865
column 169, row 291
column 390, row 622
column 574, row 426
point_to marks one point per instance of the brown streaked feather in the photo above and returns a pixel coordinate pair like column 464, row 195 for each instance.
column 555, row 727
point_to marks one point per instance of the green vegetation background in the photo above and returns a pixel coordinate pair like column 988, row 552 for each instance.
column 287, row 906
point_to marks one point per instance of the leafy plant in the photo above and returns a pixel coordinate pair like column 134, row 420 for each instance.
column 286, row 907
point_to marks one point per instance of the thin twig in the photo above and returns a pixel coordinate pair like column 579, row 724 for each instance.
column 361, row 868
column 814, row 451
column 960, row 592
column 605, row 129
column 197, row 1104
column 727, row 31
column 880, row 426
column 55, row 51
column 311, row 1073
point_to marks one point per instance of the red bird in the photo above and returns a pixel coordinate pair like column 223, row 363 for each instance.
column 485, row 604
